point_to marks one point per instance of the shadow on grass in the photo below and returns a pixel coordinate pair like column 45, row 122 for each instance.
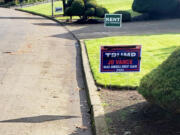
column 143, row 119
column 164, row 52
column 165, row 49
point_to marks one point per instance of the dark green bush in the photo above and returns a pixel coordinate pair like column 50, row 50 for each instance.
column 86, row 1
column 91, row 4
column 162, row 85
column 84, row 9
column 155, row 6
column 90, row 12
column 105, row 11
column 126, row 16
column 1, row 3
column 8, row 1
column 78, row 7
column 100, row 11
column 8, row 4
column 177, row 14
column 69, row 3
column 68, row 11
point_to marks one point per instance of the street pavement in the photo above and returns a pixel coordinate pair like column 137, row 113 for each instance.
column 41, row 86
column 88, row 31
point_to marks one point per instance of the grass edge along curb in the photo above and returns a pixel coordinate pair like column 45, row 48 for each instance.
column 99, row 123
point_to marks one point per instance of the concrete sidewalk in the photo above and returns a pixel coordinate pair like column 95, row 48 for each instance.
column 41, row 86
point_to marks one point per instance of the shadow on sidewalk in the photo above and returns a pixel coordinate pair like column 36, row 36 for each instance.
column 47, row 24
column 38, row 119
column 66, row 35
column 23, row 18
column 85, row 128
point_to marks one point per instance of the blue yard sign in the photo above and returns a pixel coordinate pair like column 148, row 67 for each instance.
column 58, row 9
column 120, row 58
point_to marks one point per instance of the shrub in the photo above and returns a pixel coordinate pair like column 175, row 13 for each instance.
column 7, row 1
column 91, row 4
column 126, row 16
column 178, row 11
column 8, row 4
column 90, row 12
column 69, row 3
column 162, row 85
column 68, row 11
column 84, row 9
column 1, row 3
column 89, row 1
column 105, row 11
column 78, row 7
column 155, row 6
column 100, row 11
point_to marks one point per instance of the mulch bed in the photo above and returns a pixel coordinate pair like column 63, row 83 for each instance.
column 128, row 113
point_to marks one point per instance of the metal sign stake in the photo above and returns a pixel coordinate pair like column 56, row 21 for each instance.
column 52, row 7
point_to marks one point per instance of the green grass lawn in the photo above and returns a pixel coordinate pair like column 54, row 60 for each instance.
column 111, row 5
column 155, row 49
column 115, row 5
column 44, row 8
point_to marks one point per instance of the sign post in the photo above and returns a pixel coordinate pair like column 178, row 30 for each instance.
column 120, row 59
column 113, row 20
column 21, row 3
column 52, row 4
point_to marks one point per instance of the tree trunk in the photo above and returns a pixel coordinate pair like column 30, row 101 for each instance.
column 85, row 18
column 64, row 5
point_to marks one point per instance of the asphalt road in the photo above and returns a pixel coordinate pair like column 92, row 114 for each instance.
column 41, row 86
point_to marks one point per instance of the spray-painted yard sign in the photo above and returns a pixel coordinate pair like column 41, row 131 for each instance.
column 113, row 20
column 120, row 58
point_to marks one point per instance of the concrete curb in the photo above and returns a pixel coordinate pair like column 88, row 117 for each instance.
column 97, row 111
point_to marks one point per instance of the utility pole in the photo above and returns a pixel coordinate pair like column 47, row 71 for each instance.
column 52, row 8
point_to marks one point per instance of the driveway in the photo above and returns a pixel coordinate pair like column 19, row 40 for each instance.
column 89, row 31
column 41, row 87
